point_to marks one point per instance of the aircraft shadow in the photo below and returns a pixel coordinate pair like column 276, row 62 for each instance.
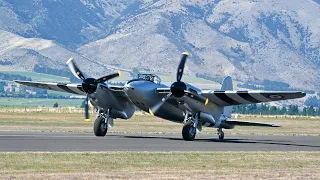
column 227, row 140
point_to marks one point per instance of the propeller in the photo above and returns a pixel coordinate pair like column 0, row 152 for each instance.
column 89, row 85
column 181, row 65
column 156, row 107
column 178, row 89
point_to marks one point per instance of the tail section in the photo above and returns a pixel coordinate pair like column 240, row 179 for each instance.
column 227, row 85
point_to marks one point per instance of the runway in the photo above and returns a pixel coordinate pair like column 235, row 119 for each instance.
column 64, row 142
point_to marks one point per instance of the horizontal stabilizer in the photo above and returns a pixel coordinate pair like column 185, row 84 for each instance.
column 244, row 123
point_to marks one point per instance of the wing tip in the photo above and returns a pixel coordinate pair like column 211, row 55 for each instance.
column 18, row 81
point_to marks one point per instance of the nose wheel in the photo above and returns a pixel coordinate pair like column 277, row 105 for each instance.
column 220, row 133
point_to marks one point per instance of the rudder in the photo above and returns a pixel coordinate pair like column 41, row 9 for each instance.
column 227, row 86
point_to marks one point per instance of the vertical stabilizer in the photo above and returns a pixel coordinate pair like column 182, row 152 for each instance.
column 227, row 86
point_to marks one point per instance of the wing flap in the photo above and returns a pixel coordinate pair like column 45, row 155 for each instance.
column 245, row 123
column 229, row 98
column 61, row 87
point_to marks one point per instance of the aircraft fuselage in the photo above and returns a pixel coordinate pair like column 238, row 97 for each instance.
column 143, row 95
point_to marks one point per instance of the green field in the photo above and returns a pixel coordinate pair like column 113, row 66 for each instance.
column 174, row 165
column 37, row 102
column 39, row 76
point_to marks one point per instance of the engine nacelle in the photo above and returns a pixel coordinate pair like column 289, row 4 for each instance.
column 206, row 118
column 118, row 114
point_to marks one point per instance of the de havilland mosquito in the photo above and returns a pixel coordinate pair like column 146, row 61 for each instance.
column 181, row 102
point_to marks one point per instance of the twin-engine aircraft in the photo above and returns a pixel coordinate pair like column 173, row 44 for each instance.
column 181, row 102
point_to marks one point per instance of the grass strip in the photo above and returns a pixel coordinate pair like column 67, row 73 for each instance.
column 160, row 165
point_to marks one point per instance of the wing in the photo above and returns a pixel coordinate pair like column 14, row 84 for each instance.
column 244, row 123
column 68, row 88
column 228, row 98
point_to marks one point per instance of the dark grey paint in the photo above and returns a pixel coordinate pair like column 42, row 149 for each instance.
column 61, row 142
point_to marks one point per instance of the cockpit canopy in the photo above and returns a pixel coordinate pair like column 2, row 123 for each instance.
column 150, row 77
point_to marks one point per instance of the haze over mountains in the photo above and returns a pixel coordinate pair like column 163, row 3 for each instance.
column 251, row 40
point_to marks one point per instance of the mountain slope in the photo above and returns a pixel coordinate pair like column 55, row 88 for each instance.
column 250, row 40
column 32, row 54
column 71, row 23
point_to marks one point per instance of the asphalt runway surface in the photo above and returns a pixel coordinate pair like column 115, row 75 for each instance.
column 64, row 142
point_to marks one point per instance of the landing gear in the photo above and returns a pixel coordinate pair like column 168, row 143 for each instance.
column 100, row 127
column 102, row 122
column 191, row 126
column 189, row 131
column 220, row 133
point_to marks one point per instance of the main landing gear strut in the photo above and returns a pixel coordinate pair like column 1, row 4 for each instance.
column 100, row 126
column 220, row 133
column 192, row 124
column 189, row 129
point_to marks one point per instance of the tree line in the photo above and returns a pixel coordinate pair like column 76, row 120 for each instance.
column 313, row 101
column 11, row 77
column 264, row 109
column 268, row 85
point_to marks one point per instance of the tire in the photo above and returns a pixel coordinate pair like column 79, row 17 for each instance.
column 189, row 132
column 98, row 127
column 221, row 135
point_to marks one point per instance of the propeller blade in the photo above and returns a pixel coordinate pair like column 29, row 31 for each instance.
column 108, row 77
column 181, row 65
column 197, row 97
column 86, row 110
column 156, row 107
column 74, row 69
